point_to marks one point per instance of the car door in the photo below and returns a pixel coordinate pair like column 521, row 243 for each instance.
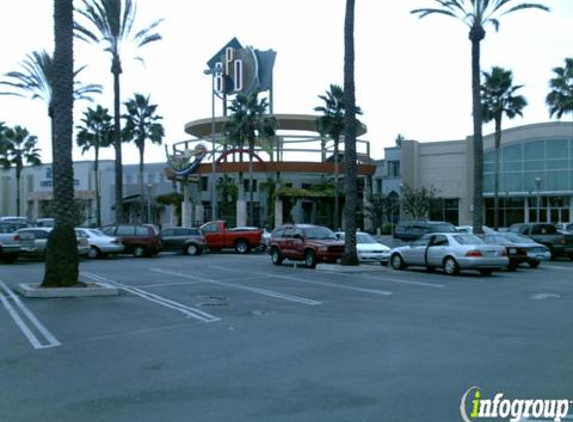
column 437, row 250
column 297, row 244
column 415, row 253
column 168, row 237
column 212, row 236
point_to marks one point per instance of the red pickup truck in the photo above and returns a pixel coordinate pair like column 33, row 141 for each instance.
column 219, row 237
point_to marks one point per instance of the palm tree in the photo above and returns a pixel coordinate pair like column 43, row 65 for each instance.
column 249, row 123
column 111, row 22
column 19, row 149
column 560, row 99
column 350, row 124
column 96, row 133
column 331, row 124
column 499, row 99
column 476, row 14
column 141, row 124
column 36, row 81
column 62, row 268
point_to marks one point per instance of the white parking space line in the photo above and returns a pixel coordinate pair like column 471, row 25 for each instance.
column 263, row 292
column 187, row 310
column 399, row 281
column 49, row 339
column 556, row 267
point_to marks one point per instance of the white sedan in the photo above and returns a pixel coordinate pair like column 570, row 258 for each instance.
column 368, row 248
column 452, row 252
column 100, row 244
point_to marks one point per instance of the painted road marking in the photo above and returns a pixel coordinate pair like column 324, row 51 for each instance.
column 263, row 292
column 49, row 339
column 394, row 280
column 187, row 310
column 318, row 283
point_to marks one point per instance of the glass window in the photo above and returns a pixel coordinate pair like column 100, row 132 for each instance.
column 557, row 180
column 557, row 164
column 489, row 157
column 489, row 167
column 467, row 239
column 557, row 148
column 513, row 166
column 534, row 165
column 512, row 182
column 488, row 182
column 126, row 230
column 141, row 231
column 534, row 151
column 512, row 153
column 210, row 228
column 440, row 241
column 168, row 232
column 530, row 184
column 319, row 233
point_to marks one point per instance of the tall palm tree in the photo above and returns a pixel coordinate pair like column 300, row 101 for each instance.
column 62, row 268
column 499, row 98
column 560, row 98
column 350, row 256
column 35, row 80
column 111, row 23
column 250, row 124
column 476, row 14
column 331, row 124
column 141, row 124
column 96, row 133
column 19, row 149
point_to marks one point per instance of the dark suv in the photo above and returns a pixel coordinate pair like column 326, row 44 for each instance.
column 410, row 231
column 138, row 239
column 302, row 242
column 189, row 241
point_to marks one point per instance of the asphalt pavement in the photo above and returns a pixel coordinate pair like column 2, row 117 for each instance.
column 224, row 337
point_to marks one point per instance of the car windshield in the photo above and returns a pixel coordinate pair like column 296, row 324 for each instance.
column 96, row 232
column 365, row 238
column 442, row 227
column 468, row 239
column 515, row 238
column 319, row 233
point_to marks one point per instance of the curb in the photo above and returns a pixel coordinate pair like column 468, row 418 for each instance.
column 94, row 289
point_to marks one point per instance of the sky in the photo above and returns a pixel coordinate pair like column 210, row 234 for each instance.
column 413, row 76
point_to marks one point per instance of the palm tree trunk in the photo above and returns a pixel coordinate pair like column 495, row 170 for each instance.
column 336, row 193
column 18, row 176
column 62, row 268
column 477, row 33
column 251, row 216
column 140, row 176
column 350, row 167
column 116, row 70
column 98, row 199
column 497, row 171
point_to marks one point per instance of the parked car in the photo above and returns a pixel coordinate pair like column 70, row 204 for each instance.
column 520, row 249
column 9, row 243
column 559, row 244
column 470, row 229
column 189, row 241
column 218, row 237
column 138, row 239
column 368, row 248
column 34, row 241
column 409, row 231
column 302, row 242
column 452, row 252
column 100, row 244
column 45, row 222
column 266, row 236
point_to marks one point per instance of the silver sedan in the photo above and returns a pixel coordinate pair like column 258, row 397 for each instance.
column 452, row 252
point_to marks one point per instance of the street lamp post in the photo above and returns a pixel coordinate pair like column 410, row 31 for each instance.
column 538, row 181
column 213, row 189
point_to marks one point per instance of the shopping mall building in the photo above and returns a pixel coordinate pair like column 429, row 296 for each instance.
column 536, row 173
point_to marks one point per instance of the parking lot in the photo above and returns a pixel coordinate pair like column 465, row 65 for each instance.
column 232, row 337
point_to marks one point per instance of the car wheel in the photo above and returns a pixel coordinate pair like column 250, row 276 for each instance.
column 451, row 266
column 486, row 271
column 534, row 264
column 241, row 247
column 276, row 257
column 310, row 259
column 397, row 262
column 9, row 259
column 192, row 249
column 138, row 252
column 93, row 252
